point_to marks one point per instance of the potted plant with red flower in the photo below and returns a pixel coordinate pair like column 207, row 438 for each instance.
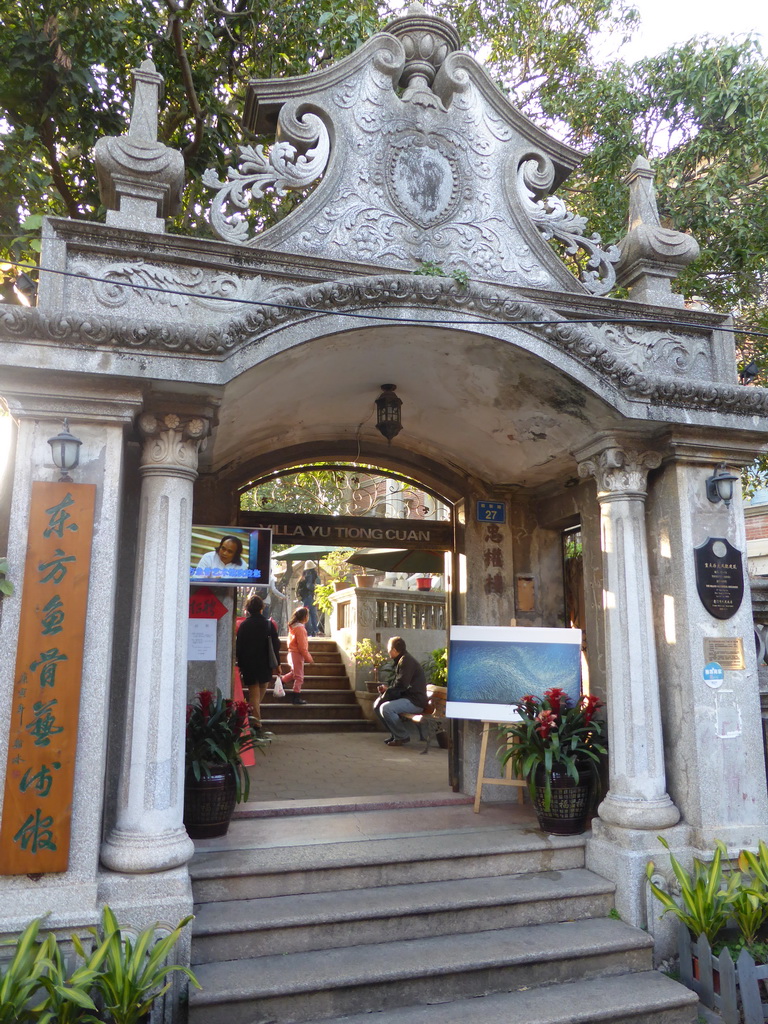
column 219, row 733
column 557, row 746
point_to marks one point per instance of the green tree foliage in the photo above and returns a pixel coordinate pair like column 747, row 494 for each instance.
column 700, row 113
column 65, row 82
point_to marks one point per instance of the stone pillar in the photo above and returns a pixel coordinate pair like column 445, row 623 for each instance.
column 714, row 753
column 637, row 797
column 149, row 834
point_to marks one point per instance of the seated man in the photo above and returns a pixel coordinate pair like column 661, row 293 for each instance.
column 407, row 694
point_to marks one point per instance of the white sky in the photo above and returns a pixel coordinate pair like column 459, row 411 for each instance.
column 666, row 22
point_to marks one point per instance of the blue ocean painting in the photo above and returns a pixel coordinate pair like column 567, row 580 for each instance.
column 503, row 672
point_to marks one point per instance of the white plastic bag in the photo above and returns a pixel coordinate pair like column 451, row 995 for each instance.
column 279, row 690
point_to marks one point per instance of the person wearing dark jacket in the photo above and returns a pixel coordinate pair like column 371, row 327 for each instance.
column 255, row 637
column 407, row 694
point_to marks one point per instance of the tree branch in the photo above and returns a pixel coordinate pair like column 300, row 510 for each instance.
column 176, row 29
column 47, row 137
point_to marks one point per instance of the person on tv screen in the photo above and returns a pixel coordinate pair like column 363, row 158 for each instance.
column 225, row 562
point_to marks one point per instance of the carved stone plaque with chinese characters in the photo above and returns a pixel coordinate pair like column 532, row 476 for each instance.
column 37, row 805
column 719, row 577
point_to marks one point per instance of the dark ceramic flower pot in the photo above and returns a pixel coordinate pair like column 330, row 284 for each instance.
column 210, row 802
column 569, row 808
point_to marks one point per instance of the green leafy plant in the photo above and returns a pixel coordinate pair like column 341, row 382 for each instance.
column 21, row 979
column 6, row 587
column 705, row 903
column 366, row 652
column 67, row 995
column 429, row 269
column 334, row 565
column 436, row 667
column 131, row 974
column 551, row 732
column 219, row 732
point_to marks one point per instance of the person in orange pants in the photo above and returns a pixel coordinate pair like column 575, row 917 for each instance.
column 298, row 653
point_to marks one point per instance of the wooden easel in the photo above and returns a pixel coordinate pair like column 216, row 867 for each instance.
column 484, row 780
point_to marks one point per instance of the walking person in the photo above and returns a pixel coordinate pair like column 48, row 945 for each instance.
column 407, row 694
column 298, row 653
column 305, row 591
column 257, row 653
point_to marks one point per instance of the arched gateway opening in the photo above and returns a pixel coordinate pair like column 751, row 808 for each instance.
column 380, row 550
column 189, row 367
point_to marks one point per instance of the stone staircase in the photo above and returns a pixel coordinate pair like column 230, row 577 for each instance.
column 331, row 705
column 472, row 927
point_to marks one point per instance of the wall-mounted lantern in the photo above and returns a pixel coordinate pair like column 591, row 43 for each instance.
column 720, row 485
column 65, row 448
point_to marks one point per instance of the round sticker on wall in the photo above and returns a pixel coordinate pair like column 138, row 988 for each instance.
column 713, row 675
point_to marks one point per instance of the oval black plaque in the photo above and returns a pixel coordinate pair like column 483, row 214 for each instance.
column 719, row 577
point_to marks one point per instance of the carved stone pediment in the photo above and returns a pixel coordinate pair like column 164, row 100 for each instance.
column 419, row 159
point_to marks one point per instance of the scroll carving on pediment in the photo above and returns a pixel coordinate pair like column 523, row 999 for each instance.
column 553, row 220
column 284, row 167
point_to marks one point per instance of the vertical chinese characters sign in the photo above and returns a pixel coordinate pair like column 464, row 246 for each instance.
column 37, row 804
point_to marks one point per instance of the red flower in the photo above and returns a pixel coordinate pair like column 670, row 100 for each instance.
column 589, row 705
column 547, row 722
column 207, row 699
column 558, row 699
column 528, row 704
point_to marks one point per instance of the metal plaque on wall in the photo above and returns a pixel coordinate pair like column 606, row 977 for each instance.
column 719, row 577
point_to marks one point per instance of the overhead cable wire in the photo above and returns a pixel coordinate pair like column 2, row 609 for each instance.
column 665, row 322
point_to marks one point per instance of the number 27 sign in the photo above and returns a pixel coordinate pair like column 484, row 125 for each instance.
column 491, row 512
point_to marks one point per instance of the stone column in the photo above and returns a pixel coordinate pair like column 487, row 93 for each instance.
column 637, row 798
column 149, row 834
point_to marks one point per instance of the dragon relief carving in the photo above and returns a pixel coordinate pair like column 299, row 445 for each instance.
column 121, row 283
column 666, row 352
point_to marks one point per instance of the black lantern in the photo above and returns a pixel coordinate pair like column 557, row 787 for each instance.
column 65, row 448
column 388, row 412
column 720, row 485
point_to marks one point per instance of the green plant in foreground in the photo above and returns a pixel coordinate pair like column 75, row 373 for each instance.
column 20, row 980
column 706, row 905
column 67, row 997
column 551, row 732
column 6, row 587
column 130, row 975
column 436, row 666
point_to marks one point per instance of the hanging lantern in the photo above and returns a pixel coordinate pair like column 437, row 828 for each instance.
column 388, row 412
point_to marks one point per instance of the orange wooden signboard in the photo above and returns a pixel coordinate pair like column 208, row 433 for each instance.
column 37, row 804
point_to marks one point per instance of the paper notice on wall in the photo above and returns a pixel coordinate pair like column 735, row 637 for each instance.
column 201, row 642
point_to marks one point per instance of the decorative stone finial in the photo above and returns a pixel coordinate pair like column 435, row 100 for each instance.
column 427, row 41
column 651, row 256
column 140, row 179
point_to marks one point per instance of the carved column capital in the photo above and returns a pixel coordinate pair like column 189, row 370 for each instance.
column 172, row 442
column 620, row 470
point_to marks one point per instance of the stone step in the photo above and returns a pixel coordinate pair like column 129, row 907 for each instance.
column 333, row 982
column 323, row 683
column 302, row 725
column 316, row 695
column 644, row 998
column 290, row 924
column 319, row 668
column 314, row 708
column 239, row 868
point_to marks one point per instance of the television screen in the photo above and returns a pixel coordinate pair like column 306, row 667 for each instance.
column 227, row 556
column 491, row 668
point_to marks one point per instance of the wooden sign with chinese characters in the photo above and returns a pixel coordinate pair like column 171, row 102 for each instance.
column 37, row 804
